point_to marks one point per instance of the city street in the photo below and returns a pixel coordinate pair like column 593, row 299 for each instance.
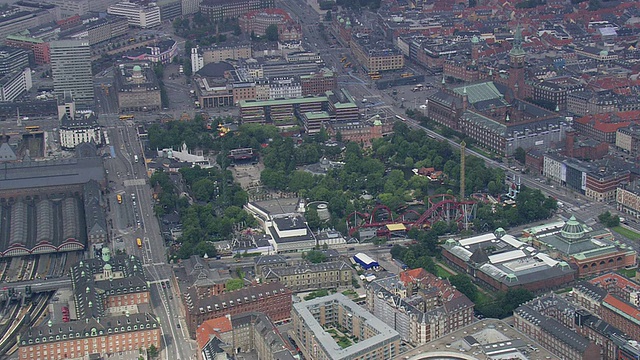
column 134, row 219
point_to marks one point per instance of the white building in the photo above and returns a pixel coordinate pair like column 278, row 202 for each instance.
column 284, row 88
column 137, row 15
column 184, row 155
column 554, row 169
column 15, row 84
column 82, row 127
column 190, row 6
column 197, row 60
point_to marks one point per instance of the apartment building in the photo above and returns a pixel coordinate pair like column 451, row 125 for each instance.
column 251, row 331
column 303, row 277
column 375, row 339
column 273, row 299
column 419, row 306
column 139, row 16
column 201, row 56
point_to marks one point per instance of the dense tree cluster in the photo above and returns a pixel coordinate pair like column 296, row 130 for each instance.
column 504, row 303
column 608, row 219
column 531, row 205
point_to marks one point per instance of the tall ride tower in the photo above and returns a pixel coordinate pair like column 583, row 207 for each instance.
column 463, row 147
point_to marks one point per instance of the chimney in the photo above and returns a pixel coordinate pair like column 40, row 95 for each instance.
column 570, row 142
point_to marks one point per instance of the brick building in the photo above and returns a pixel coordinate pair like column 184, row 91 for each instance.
column 604, row 127
column 256, row 22
column 102, row 287
column 39, row 47
column 318, row 83
column 273, row 299
column 549, row 321
column 590, row 251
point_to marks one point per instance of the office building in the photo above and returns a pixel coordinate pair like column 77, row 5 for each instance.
column 71, row 70
column 315, row 324
column 318, row 83
column 12, row 60
column 14, row 84
column 222, row 9
column 169, row 9
column 39, row 47
column 137, row 87
column 139, row 16
column 190, row 7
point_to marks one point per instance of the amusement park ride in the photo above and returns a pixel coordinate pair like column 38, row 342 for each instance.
column 444, row 207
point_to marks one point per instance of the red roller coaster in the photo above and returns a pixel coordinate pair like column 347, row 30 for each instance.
column 442, row 207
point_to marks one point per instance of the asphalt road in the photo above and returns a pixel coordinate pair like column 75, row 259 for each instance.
column 134, row 220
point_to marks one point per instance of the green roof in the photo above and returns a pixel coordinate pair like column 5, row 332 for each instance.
column 326, row 73
column 316, row 115
column 348, row 105
column 18, row 37
column 479, row 92
column 292, row 101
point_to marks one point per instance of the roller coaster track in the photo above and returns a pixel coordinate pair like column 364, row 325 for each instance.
column 442, row 207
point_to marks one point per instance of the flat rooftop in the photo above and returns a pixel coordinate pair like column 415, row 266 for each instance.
column 489, row 338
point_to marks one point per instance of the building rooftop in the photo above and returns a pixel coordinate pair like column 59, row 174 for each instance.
column 196, row 305
column 481, row 340
column 384, row 333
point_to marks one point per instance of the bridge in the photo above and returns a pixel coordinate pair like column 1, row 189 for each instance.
column 37, row 285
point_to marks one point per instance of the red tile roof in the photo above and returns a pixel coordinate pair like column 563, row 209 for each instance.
column 212, row 327
column 626, row 308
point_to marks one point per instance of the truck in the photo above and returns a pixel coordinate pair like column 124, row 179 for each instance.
column 135, row 158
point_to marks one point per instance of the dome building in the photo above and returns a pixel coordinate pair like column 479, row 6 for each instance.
column 591, row 251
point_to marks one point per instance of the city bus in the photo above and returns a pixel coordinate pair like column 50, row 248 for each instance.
column 126, row 117
column 376, row 77
column 32, row 128
column 119, row 197
column 139, row 242
column 406, row 75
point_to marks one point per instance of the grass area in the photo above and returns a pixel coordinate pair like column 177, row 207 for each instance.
column 349, row 292
column 344, row 342
column 441, row 272
column 565, row 290
column 630, row 273
column 317, row 293
column 482, row 297
column 632, row 235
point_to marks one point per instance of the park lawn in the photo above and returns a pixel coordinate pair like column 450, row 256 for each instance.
column 632, row 235
column 441, row 272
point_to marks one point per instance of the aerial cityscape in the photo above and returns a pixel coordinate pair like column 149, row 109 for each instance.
column 319, row 180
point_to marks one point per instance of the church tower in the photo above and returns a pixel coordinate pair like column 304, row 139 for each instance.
column 517, row 61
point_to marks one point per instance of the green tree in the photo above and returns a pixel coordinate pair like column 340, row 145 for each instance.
column 271, row 32
column 234, row 284
column 520, row 155
column 315, row 257
column 152, row 351
column 463, row 283
column 608, row 219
